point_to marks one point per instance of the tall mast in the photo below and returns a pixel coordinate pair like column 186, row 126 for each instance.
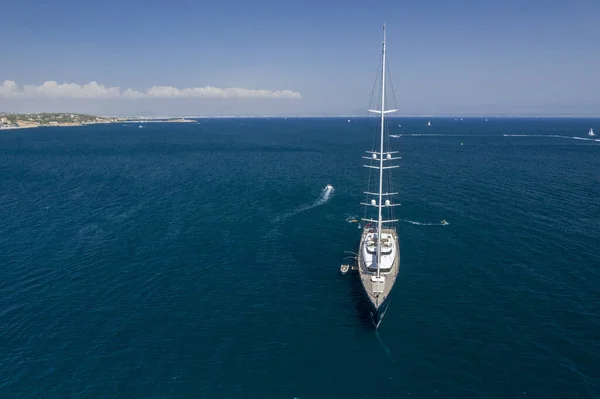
column 381, row 157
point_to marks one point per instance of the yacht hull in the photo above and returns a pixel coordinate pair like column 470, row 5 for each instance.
column 378, row 303
column 376, row 313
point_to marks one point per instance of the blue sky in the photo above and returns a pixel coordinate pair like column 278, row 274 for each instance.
column 299, row 57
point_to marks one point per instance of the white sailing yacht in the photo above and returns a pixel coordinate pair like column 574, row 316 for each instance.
column 378, row 255
column 591, row 133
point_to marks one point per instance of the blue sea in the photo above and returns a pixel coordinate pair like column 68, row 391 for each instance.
column 201, row 260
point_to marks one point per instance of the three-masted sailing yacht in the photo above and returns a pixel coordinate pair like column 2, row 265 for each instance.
column 379, row 251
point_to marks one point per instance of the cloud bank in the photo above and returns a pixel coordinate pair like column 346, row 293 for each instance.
column 92, row 90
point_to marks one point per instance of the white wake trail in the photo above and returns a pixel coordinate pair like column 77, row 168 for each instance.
column 325, row 196
column 384, row 346
column 552, row 136
column 430, row 135
column 423, row 223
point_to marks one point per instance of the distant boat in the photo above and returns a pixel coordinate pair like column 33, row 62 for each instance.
column 428, row 123
column 591, row 133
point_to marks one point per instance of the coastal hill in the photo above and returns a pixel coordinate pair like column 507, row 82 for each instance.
column 51, row 119
column 9, row 120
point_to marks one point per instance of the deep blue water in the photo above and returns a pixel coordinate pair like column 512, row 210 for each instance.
column 202, row 260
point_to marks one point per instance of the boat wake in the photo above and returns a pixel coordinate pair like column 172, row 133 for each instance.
column 325, row 196
column 424, row 223
column 384, row 346
column 352, row 219
column 553, row 136
column 327, row 191
column 430, row 135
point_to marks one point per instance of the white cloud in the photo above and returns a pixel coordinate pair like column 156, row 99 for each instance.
column 70, row 90
column 52, row 89
column 133, row 94
column 215, row 92
column 9, row 89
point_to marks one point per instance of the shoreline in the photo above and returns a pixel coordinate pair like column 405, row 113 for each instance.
column 29, row 125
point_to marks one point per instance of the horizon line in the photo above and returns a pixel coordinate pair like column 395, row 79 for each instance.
column 367, row 116
column 364, row 116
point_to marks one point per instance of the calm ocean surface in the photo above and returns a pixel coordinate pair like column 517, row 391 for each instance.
column 202, row 261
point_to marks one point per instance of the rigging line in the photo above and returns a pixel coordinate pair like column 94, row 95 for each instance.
column 375, row 144
column 371, row 171
column 370, row 174
column 376, row 78
column 389, row 73
column 392, row 211
column 375, row 126
column 370, row 178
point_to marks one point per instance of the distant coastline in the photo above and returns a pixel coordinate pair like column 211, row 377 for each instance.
column 31, row 120
column 10, row 121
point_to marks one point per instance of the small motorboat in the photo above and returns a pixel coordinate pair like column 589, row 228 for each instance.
column 329, row 187
column 444, row 222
